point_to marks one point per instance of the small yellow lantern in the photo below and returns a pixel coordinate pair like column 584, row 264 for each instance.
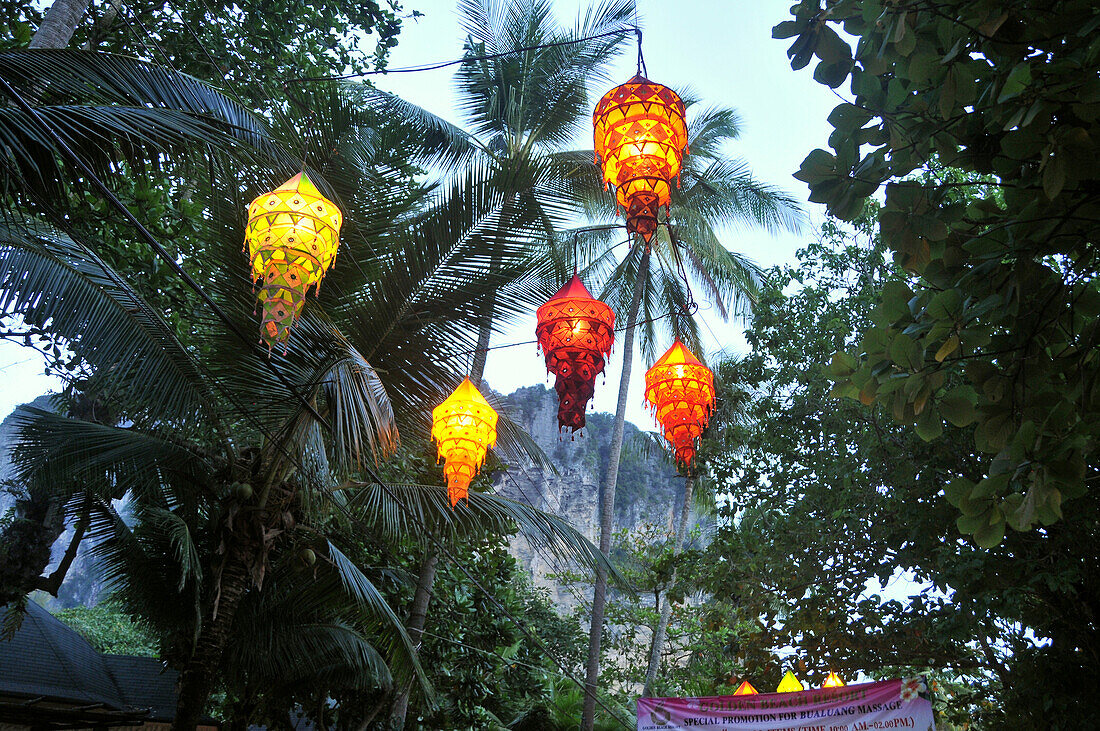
column 292, row 236
column 789, row 684
column 745, row 689
column 640, row 134
column 464, row 427
column 833, row 681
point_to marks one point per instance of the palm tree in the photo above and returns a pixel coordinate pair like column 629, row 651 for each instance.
column 524, row 109
column 220, row 445
column 654, row 279
column 521, row 107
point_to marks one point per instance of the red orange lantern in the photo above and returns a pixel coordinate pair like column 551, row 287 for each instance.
column 575, row 332
column 464, row 427
column 746, row 688
column 641, row 137
column 833, row 681
column 680, row 391
column 292, row 236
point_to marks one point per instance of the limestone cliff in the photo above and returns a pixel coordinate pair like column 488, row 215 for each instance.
column 648, row 491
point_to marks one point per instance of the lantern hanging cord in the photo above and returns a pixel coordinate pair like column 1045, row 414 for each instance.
column 468, row 59
column 690, row 306
column 642, row 71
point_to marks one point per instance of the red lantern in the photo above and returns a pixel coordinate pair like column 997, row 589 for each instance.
column 575, row 331
column 641, row 136
column 680, row 391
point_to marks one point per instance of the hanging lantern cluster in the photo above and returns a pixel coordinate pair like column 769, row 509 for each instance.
column 292, row 236
column 464, row 427
column 641, row 137
column 680, row 391
column 575, row 332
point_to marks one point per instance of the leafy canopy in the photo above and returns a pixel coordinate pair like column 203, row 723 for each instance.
column 995, row 328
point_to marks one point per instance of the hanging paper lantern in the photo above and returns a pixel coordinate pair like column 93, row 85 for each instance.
column 292, row 236
column 641, row 137
column 680, row 391
column 464, row 427
column 745, row 689
column 575, row 332
column 789, row 684
column 833, row 681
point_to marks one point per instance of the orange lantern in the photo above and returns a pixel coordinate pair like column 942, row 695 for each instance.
column 575, row 332
column 745, row 689
column 680, row 391
column 641, row 136
column 292, row 236
column 833, row 681
column 464, row 427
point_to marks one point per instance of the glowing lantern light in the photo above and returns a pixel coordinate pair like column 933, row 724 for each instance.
column 680, row 391
column 745, row 689
column 641, row 136
column 833, row 681
column 789, row 684
column 464, row 427
column 575, row 332
column 292, row 236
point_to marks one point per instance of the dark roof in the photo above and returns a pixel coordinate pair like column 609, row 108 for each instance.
column 145, row 683
column 47, row 659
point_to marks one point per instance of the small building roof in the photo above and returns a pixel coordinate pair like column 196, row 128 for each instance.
column 53, row 676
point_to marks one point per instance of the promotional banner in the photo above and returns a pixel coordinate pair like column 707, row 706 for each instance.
column 890, row 704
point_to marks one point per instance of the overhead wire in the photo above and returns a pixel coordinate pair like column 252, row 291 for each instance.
column 468, row 59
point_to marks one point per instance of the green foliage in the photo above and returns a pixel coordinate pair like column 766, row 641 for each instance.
column 110, row 630
column 841, row 540
column 994, row 330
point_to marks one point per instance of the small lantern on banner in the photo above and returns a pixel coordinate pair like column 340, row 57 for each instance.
column 575, row 332
column 789, row 684
column 464, row 427
column 745, row 689
column 833, row 681
column 292, row 236
column 680, row 391
column 641, row 137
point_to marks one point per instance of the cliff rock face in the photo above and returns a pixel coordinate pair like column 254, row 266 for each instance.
column 648, row 490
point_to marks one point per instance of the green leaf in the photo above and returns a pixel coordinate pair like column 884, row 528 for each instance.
column 929, row 425
column 990, row 535
column 957, row 407
column 1018, row 80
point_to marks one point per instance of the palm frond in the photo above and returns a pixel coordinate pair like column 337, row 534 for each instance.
column 370, row 600
column 112, row 108
column 403, row 509
column 48, row 278
column 106, row 461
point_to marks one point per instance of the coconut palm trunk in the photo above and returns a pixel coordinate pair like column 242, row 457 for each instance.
column 607, row 501
column 59, row 24
column 197, row 679
column 418, row 616
column 666, row 608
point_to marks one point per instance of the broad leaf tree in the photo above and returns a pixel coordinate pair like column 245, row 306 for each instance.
column 995, row 328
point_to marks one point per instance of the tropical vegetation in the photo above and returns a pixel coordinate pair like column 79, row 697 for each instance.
column 897, row 478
